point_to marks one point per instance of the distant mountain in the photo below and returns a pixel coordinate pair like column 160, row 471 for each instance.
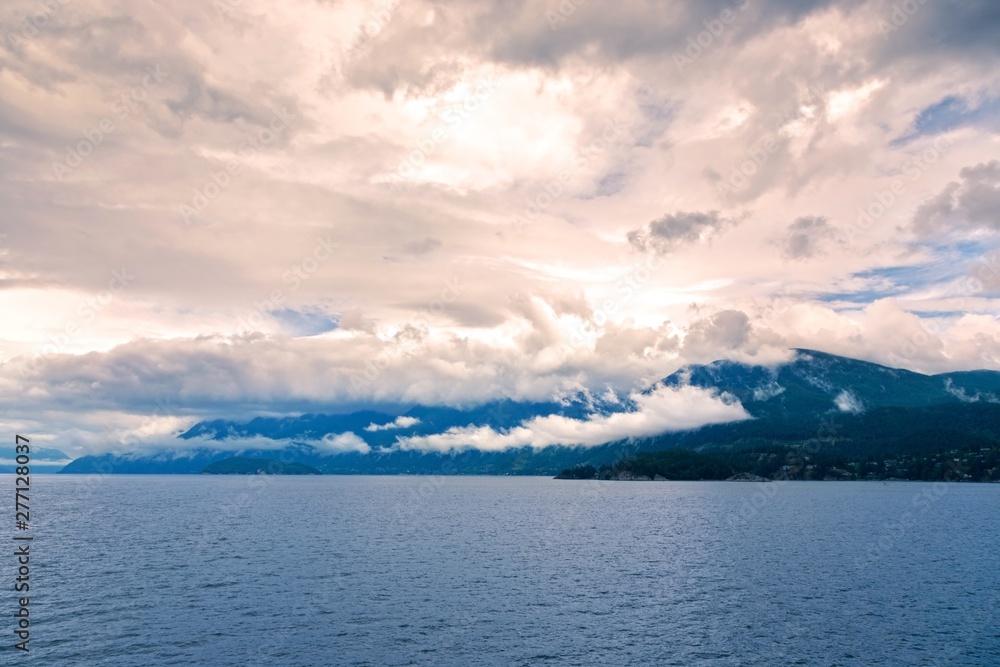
column 41, row 459
column 855, row 408
column 427, row 420
column 240, row 465
column 419, row 420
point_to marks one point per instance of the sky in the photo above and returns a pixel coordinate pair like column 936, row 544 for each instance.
column 236, row 208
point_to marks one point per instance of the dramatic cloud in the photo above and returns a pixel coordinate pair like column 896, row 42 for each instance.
column 230, row 209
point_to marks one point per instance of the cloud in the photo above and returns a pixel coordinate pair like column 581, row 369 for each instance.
column 422, row 247
column 848, row 402
column 960, row 394
column 331, row 443
column 674, row 230
column 100, row 400
column 806, row 237
column 972, row 204
column 340, row 443
column 398, row 422
column 984, row 274
column 662, row 410
column 725, row 330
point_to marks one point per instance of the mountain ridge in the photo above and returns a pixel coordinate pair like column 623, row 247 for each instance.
column 789, row 404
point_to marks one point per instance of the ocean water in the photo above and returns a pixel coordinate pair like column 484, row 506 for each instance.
column 199, row 570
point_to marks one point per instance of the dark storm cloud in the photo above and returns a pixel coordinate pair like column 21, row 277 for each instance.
column 674, row 230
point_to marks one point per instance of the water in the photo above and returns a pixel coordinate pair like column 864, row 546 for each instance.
column 506, row 571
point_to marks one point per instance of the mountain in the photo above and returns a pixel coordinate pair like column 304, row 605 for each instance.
column 418, row 420
column 853, row 408
column 860, row 406
column 239, row 465
column 815, row 382
column 40, row 459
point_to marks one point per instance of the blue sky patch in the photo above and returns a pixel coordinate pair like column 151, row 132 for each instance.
column 303, row 322
column 894, row 281
column 947, row 114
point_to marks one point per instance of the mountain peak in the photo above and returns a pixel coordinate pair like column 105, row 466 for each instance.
column 816, row 382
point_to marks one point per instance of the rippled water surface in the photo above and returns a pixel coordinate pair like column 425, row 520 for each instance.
column 189, row 570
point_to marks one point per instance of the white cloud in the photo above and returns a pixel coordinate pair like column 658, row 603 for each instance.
column 662, row 410
column 848, row 402
column 398, row 422
column 341, row 442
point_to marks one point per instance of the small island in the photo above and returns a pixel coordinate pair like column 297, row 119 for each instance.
column 241, row 465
